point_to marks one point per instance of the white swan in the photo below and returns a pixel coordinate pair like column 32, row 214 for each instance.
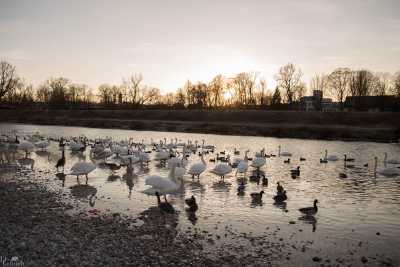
column 243, row 165
column 82, row 168
column 258, row 162
column 391, row 161
column 76, row 146
column 330, row 157
column 284, row 153
column 198, row 168
column 386, row 171
column 162, row 155
column 221, row 170
column 26, row 146
column 162, row 185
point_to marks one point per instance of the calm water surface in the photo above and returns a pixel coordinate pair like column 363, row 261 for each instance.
column 351, row 210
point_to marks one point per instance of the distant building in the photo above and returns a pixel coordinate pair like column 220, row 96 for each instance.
column 372, row 103
column 316, row 102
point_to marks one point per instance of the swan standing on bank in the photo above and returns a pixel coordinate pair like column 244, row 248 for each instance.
column 198, row 168
column 82, row 168
column 162, row 185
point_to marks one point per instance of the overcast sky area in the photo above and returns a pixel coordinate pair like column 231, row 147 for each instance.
column 97, row 42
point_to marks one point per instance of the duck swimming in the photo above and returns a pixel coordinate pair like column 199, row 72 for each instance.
column 310, row 210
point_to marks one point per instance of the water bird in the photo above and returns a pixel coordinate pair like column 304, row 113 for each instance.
column 257, row 197
column 280, row 197
column 302, row 159
column 198, row 168
column 162, row 185
column 27, row 147
column 390, row 172
column 236, row 152
column 284, row 153
column 286, row 161
column 310, row 210
column 348, row 159
column 241, row 187
column 191, row 202
column 330, row 157
column 323, row 161
column 82, row 168
column 164, row 206
column 390, row 161
column 296, row 171
column 221, row 170
column 279, row 188
column 61, row 161
column 243, row 165
column 365, row 165
column 342, row 175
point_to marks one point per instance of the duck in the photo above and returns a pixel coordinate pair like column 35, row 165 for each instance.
column 365, row 165
column 284, row 153
column 241, row 187
column 61, row 161
column 388, row 172
column 286, row 161
column 348, row 159
column 257, row 197
column 82, row 168
column 191, row 202
column 236, row 152
column 310, row 210
column 221, row 170
column 296, row 171
column 280, row 197
column 264, row 180
column 390, row 161
column 302, row 159
column 279, row 188
column 165, row 207
column 198, row 168
column 342, row 175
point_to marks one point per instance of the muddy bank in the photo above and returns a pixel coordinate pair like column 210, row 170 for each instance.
column 379, row 127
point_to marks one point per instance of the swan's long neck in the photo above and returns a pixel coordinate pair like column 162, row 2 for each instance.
column 245, row 156
column 279, row 150
column 202, row 159
column 171, row 174
column 376, row 164
column 326, row 153
column 385, row 159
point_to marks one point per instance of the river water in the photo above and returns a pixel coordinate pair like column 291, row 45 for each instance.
column 358, row 215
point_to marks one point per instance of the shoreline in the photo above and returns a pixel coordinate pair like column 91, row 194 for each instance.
column 374, row 127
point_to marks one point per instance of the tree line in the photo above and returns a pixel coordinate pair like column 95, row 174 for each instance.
column 244, row 90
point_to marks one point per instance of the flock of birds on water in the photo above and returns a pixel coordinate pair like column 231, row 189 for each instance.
column 174, row 155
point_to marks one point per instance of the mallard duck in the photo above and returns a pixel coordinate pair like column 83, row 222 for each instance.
column 191, row 202
column 310, row 210
column 257, row 197
column 280, row 197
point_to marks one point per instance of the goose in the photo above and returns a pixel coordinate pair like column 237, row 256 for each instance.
column 284, row 153
column 162, row 185
column 389, row 172
column 164, row 206
column 82, row 168
column 27, row 147
column 198, row 168
column 296, row 171
column 191, row 202
column 221, row 170
column 286, row 161
column 61, row 161
column 257, row 197
column 280, row 197
column 330, row 157
column 243, row 165
column 348, row 159
column 391, row 161
column 310, row 210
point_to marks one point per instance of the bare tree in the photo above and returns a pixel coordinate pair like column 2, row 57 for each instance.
column 244, row 85
column 338, row 84
column 319, row 82
column 8, row 78
column 361, row 83
column 288, row 78
column 396, row 84
column 133, row 87
column 382, row 83
column 216, row 90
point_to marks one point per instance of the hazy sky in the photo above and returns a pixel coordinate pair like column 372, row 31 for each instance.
column 171, row 41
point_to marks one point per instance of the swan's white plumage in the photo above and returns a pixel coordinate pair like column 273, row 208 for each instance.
column 258, row 162
column 26, row 146
column 82, row 168
column 222, row 169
